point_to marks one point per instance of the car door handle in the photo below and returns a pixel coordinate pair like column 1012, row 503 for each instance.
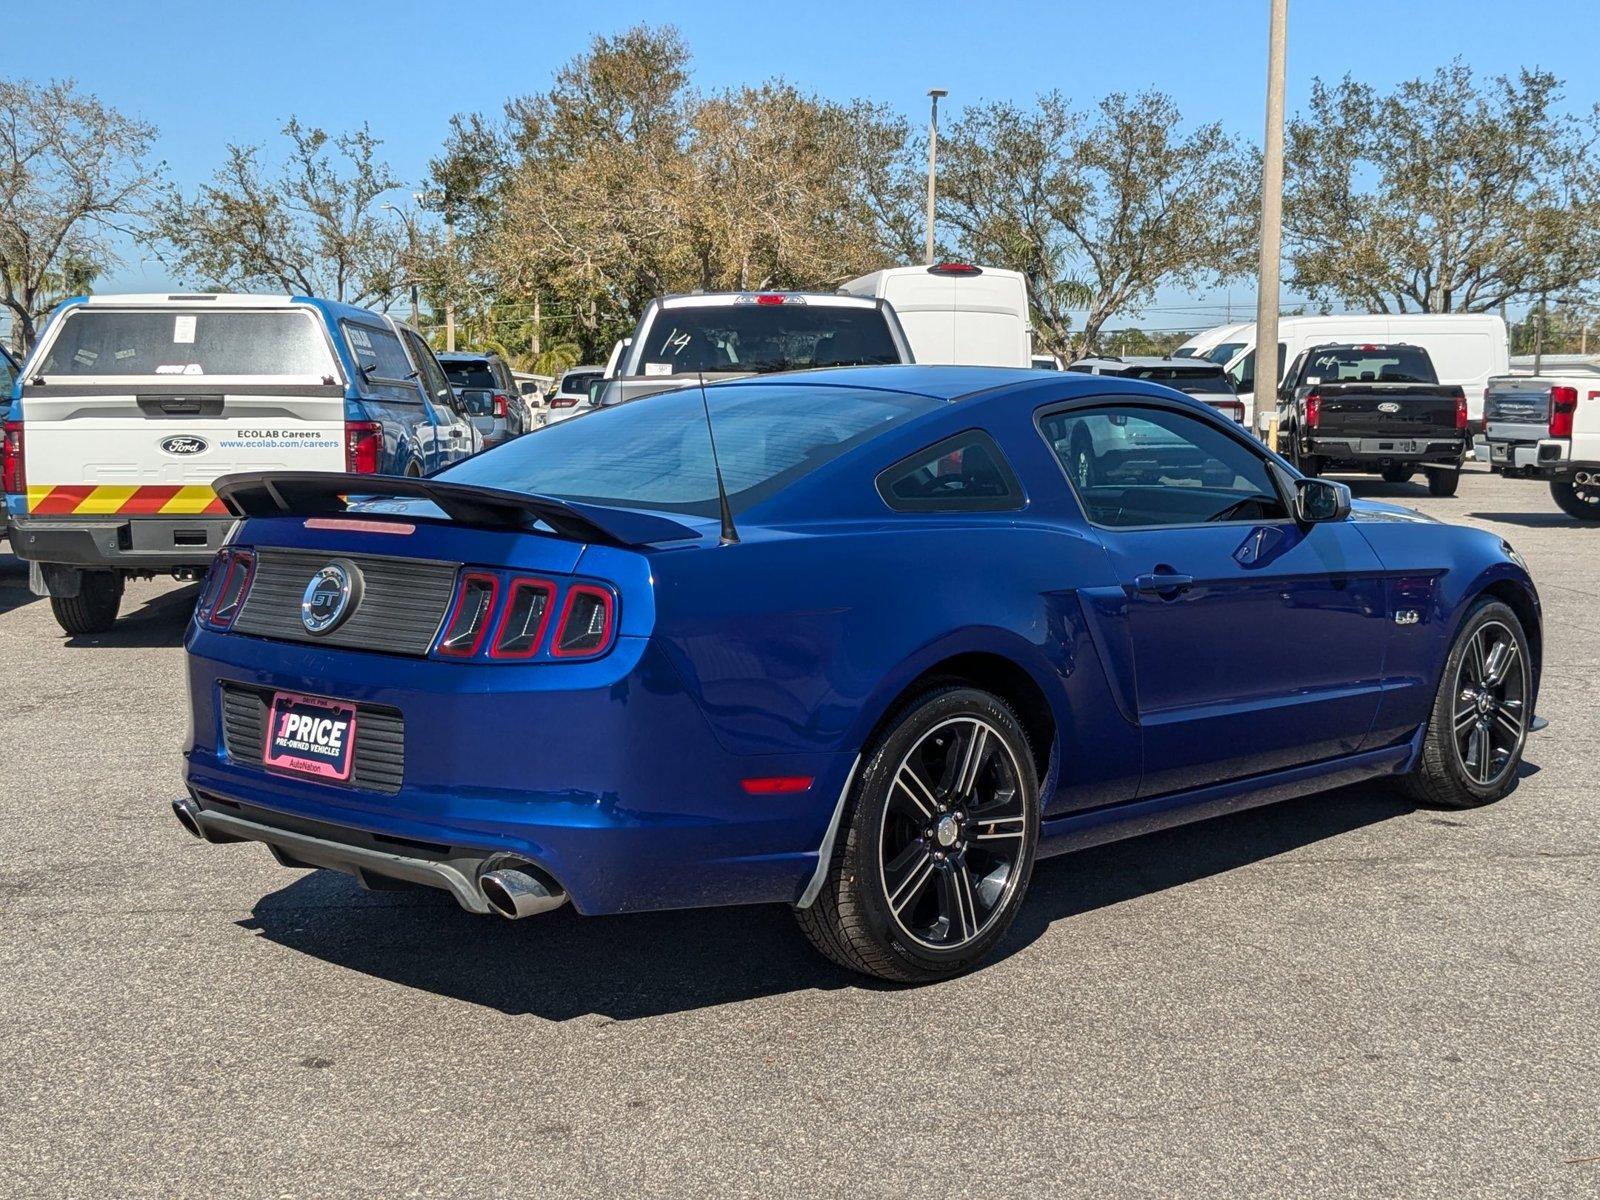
column 1163, row 583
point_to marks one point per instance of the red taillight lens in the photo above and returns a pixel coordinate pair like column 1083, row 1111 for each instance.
column 13, row 475
column 363, row 447
column 1563, row 404
column 776, row 785
column 227, row 584
column 564, row 402
column 587, row 623
column 769, row 298
column 526, row 615
column 1233, row 408
column 954, row 268
column 1461, row 409
column 1313, row 409
column 501, row 401
column 468, row 622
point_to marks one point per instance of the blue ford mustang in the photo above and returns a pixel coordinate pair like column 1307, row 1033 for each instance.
column 934, row 623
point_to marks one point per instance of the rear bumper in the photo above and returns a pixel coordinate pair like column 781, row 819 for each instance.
column 604, row 776
column 128, row 543
column 1390, row 450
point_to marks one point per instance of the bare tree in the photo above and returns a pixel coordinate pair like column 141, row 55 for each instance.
column 316, row 227
column 71, row 170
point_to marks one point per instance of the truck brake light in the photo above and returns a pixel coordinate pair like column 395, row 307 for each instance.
column 1313, row 408
column 13, row 474
column 1461, row 409
column 363, row 447
column 1563, row 403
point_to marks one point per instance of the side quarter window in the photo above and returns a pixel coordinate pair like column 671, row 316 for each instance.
column 965, row 473
column 382, row 361
column 1137, row 466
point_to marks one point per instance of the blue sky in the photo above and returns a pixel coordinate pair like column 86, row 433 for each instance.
column 216, row 72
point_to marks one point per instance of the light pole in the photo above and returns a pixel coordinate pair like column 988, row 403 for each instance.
column 933, row 158
column 1268, row 367
column 411, row 244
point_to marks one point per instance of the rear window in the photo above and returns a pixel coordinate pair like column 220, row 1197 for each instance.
column 765, row 337
column 474, row 374
column 1369, row 364
column 187, row 342
column 576, row 383
column 655, row 453
column 1196, row 383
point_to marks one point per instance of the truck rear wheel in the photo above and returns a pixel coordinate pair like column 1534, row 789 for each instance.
column 1444, row 483
column 94, row 608
column 1578, row 500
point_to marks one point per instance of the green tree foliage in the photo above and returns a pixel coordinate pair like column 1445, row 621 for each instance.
column 72, row 171
column 1097, row 209
column 314, row 226
column 1441, row 196
column 622, row 182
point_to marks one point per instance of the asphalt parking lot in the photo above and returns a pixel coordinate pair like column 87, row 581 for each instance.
column 1341, row 995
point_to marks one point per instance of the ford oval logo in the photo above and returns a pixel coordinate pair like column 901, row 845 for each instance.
column 331, row 597
column 1388, row 406
column 185, row 445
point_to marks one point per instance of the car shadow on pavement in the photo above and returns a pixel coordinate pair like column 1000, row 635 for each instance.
column 159, row 621
column 1534, row 520
column 14, row 591
column 561, row 966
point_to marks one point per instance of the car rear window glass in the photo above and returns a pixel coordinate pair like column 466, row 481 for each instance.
column 765, row 337
column 1369, row 364
column 576, row 383
column 186, row 342
column 1196, row 383
column 473, row 374
column 965, row 473
column 656, row 452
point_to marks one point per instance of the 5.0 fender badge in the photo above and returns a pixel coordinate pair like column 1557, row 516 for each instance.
column 1407, row 616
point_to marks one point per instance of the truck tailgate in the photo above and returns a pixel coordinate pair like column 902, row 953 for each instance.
column 147, row 450
column 1395, row 410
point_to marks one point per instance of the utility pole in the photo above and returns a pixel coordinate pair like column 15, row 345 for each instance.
column 1268, row 368
column 933, row 158
column 449, row 285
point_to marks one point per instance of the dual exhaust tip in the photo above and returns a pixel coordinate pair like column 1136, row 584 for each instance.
column 515, row 890
column 1587, row 477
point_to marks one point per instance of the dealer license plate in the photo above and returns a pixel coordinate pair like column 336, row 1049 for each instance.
column 307, row 735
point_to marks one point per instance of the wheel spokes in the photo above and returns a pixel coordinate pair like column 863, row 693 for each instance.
column 908, row 785
column 906, row 875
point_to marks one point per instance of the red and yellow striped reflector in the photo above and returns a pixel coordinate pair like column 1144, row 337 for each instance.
column 123, row 500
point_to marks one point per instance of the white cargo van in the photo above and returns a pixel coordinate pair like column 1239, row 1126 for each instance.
column 957, row 312
column 1466, row 349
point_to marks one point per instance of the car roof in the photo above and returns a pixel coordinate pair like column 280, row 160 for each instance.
column 729, row 299
column 465, row 355
column 1198, row 366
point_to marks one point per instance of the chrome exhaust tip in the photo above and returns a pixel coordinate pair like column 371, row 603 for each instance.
column 186, row 812
column 1584, row 477
column 516, row 894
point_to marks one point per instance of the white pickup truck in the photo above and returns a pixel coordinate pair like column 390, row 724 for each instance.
column 1548, row 427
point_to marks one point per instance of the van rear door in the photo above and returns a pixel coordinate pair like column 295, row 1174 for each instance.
column 136, row 410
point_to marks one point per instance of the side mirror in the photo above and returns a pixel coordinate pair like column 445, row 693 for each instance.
column 1320, row 500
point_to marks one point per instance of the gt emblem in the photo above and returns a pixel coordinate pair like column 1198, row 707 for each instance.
column 1388, row 406
column 1407, row 616
column 330, row 597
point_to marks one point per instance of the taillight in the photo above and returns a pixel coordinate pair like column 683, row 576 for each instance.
column 1234, row 409
column 227, row 584
column 363, row 447
column 13, row 474
column 1313, row 409
column 468, row 622
column 1461, row 409
column 1563, row 403
column 769, row 298
column 501, row 401
column 954, row 268
column 524, row 619
column 587, row 623
column 563, row 402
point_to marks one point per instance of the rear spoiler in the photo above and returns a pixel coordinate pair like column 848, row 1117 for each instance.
column 328, row 493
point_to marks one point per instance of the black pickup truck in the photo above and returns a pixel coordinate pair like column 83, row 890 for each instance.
column 1378, row 409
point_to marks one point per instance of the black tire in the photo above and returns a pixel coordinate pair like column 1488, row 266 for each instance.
column 853, row 920
column 1398, row 474
column 1444, row 483
column 1443, row 776
column 1576, row 500
column 94, row 608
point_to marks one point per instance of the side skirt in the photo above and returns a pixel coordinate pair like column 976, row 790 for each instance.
column 1078, row 831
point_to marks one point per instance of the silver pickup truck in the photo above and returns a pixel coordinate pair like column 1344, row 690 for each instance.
column 726, row 335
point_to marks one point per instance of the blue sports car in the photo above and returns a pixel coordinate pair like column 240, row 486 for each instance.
column 866, row 642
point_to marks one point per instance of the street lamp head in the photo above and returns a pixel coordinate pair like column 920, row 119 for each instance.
column 936, row 93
